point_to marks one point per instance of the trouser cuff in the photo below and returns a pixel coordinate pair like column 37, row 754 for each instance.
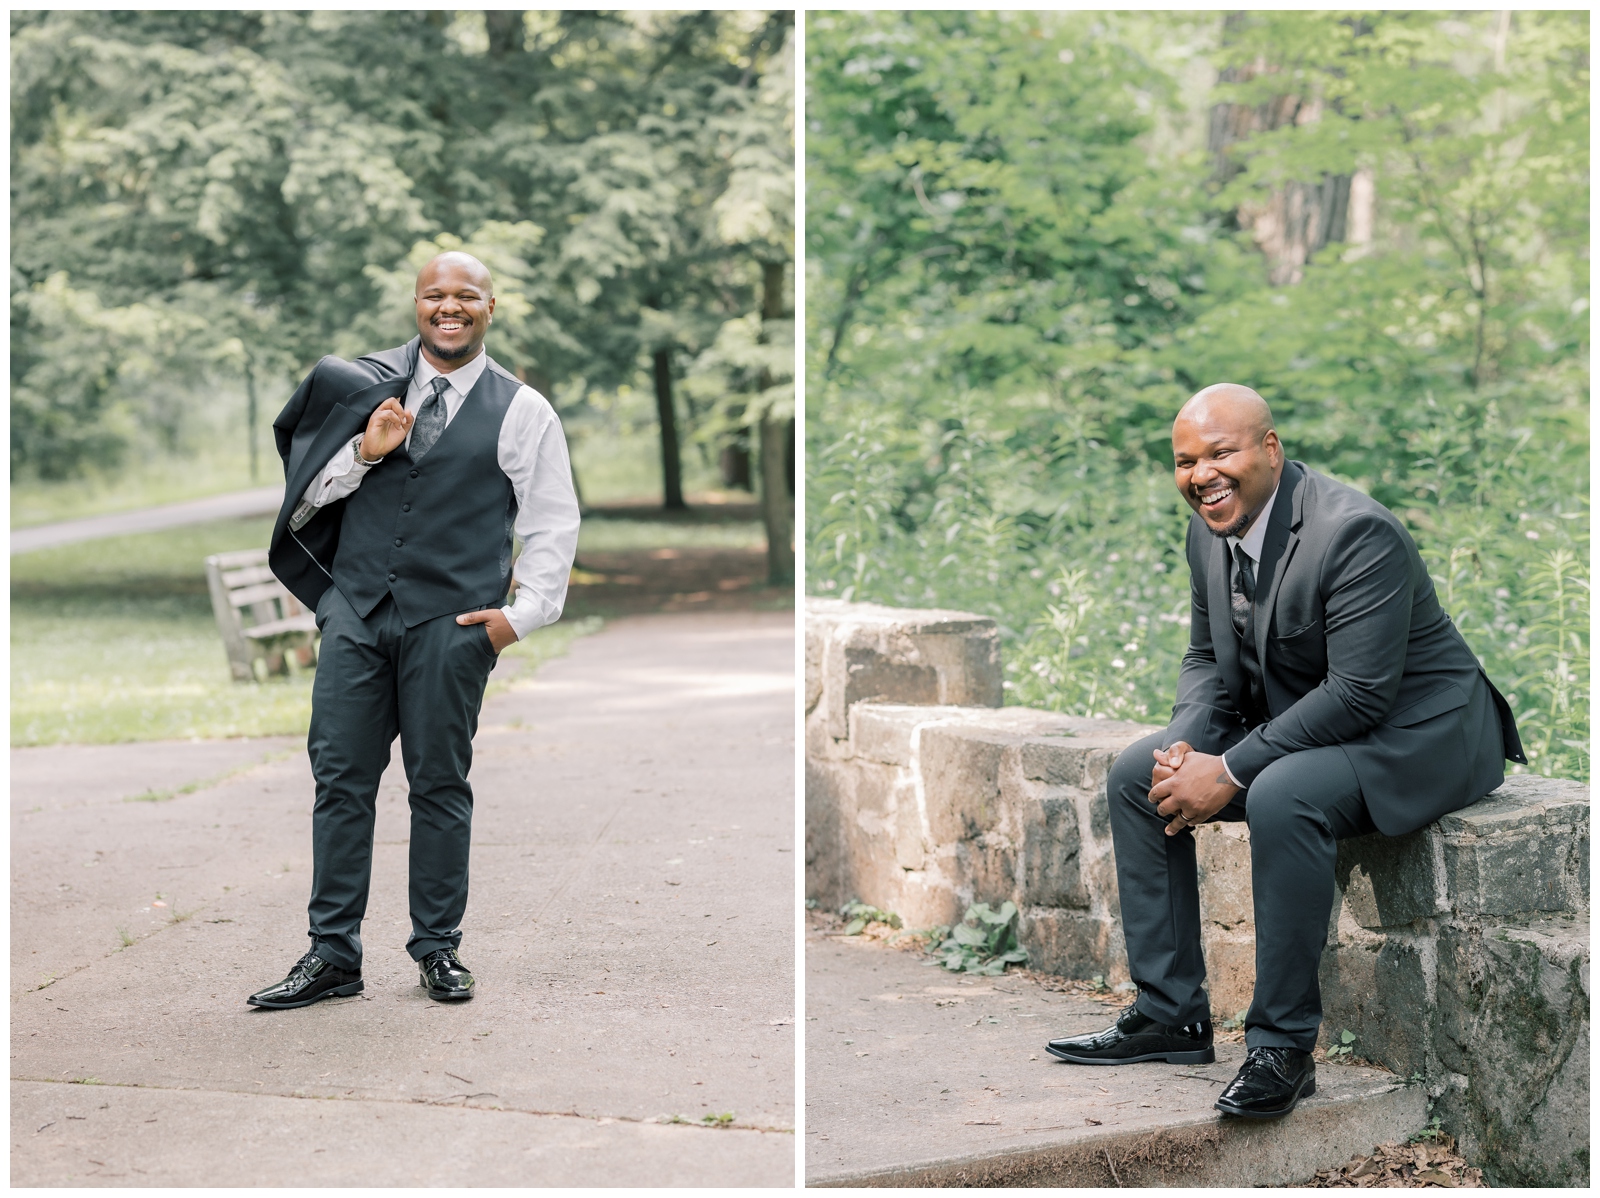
column 1261, row 1037
column 421, row 948
column 334, row 957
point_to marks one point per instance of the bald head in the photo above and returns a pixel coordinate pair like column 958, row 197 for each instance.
column 1226, row 457
column 1232, row 405
column 455, row 305
column 457, row 260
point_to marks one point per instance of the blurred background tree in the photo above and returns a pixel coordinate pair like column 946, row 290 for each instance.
column 1031, row 236
column 205, row 203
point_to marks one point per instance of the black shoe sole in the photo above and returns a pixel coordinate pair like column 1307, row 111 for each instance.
column 447, row 995
column 1244, row 1114
column 1200, row 1056
column 344, row 991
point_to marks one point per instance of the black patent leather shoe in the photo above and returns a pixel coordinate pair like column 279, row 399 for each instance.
column 311, row 979
column 1269, row 1083
column 444, row 977
column 1136, row 1037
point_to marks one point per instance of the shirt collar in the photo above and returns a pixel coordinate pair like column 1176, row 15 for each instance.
column 1257, row 534
column 462, row 379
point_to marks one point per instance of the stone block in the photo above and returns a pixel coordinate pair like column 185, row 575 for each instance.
column 861, row 652
column 1052, row 843
column 960, row 770
column 1521, row 850
column 1230, row 968
column 1222, row 857
column 824, row 833
column 883, row 732
column 1074, row 944
column 1379, row 987
column 1398, row 882
column 988, row 866
column 872, row 678
column 1513, row 1023
column 816, row 640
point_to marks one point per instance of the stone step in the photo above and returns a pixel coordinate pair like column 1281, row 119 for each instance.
column 919, row 1077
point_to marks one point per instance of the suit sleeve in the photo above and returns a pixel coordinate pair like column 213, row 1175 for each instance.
column 1204, row 711
column 288, row 420
column 1368, row 592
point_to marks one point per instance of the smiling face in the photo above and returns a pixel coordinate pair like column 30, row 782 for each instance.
column 455, row 300
column 1226, row 457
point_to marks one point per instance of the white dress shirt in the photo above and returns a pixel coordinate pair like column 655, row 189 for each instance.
column 532, row 451
column 1254, row 538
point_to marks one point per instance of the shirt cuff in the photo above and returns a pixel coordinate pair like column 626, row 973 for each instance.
column 1229, row 772
column 526, row 612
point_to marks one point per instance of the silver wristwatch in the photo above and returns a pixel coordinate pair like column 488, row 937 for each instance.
column 356, row 445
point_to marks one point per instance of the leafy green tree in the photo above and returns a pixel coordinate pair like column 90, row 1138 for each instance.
column 264, row 181
column 1023, row 255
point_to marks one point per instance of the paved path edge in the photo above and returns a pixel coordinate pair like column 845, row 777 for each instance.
column 1200, row 1152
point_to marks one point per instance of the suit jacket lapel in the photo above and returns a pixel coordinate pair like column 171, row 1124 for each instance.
column 1219, row 610
column 1276, row 550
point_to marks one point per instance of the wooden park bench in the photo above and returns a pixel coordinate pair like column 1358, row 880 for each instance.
column 264, row 628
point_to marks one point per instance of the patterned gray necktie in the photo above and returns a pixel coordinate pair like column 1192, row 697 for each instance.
column 430, row 420
column 1244, row 589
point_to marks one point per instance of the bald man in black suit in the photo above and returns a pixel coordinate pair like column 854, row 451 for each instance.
column 1324, row 694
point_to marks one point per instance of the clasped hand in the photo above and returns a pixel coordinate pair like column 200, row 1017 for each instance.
column 386, row 429
column 1188, row 784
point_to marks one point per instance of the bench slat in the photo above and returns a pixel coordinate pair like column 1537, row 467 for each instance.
column 240, row 557
column 305, row 623
column 247, row 576
column 245, row 596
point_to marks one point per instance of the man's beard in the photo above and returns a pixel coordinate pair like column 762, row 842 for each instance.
column 450, row 355
column 1236, row 529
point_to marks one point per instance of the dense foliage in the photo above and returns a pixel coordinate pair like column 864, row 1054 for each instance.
column 204, row 196
column 1022, row 256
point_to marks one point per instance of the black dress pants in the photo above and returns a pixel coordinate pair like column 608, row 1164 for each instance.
column 1297, row 808
column 377, row 679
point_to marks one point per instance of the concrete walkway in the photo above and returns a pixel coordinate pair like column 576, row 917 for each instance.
column 916, row 1076
column 260, row 501
column 630, row 926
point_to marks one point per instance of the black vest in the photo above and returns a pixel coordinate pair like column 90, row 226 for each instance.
column 436, row 534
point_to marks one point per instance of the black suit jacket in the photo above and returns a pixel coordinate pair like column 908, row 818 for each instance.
column 329, row 407
column 1355, row 651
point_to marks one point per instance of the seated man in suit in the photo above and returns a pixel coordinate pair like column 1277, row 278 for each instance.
column 409, row 470
column 1324, row 694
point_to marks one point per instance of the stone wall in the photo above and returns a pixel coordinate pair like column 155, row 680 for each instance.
column 1459, row 954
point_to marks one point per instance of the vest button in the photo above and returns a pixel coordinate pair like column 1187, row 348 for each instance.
column 413, row 474
column 405, row 507
column 398, row 542
column 392, row 577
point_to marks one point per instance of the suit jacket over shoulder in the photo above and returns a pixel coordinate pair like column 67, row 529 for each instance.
column 331, row 405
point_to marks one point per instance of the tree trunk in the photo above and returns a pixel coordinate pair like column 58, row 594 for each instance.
column 1299, row 218
column 505, row 31
column 671, row 471
column 250, row 415
column 777, row 489
column 777, row 504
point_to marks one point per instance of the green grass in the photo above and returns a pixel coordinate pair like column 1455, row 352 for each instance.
column 597, row 535
column 147, row 482
column 610, row 468
column 613, row 467
column 115, row 641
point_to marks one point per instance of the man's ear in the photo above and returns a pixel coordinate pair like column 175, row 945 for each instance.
column 1274, row 447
